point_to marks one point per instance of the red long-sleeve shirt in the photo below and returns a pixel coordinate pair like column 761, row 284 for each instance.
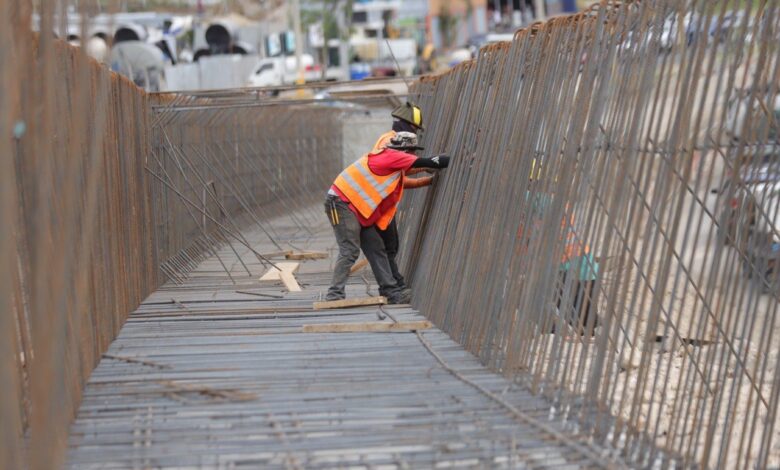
column 384, row 163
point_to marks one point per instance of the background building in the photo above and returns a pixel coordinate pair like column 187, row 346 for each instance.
column 453, row 22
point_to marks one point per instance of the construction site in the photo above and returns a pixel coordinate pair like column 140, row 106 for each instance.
column 594, row 277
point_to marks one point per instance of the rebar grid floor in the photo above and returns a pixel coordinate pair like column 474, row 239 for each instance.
column 204, row 374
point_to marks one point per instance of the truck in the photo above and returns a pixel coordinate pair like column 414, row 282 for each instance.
column 279, row 71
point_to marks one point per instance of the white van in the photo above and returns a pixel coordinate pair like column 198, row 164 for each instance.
column 278, row 71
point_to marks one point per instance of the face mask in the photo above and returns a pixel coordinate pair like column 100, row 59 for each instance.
column 403, row 126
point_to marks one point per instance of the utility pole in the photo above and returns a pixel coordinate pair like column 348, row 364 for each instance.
column 539, row 7
column 343, row 40
column 324, row 59
column 298, row 41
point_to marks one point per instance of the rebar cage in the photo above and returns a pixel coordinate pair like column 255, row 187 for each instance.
column 606, row 231
column 612, row 176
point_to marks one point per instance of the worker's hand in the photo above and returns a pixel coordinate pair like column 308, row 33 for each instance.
column 441, row 161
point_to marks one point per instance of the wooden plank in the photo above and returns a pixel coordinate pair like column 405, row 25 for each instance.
column 355, row 302
column 273, row 274
column 362, row 263
column 368, row 327
column 277, row 254
column 307, row 255
column 289, row 281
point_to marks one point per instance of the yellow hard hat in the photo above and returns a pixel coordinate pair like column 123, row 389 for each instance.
column 409, row 113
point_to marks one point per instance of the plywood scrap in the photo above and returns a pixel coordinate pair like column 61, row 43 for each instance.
column 368, row 327
column 283, row 272
column 356, row 302
column 273, row 273
column 289, row 281
column 304, row 255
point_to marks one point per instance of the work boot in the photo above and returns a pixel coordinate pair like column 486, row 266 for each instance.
column 402, row 297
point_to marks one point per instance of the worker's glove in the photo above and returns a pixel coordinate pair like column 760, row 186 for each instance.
column 441, row 161
column 437, row 162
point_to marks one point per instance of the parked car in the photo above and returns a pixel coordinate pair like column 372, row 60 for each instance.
column 721, row 30
column 749, row 202
column 761, row 255
column 749, row 219
column 475, row 43
column 744, row 196
column 758, row 141
column 652, row 39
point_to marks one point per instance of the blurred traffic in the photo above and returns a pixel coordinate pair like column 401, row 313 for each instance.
column 748, row 215
column 211, row 44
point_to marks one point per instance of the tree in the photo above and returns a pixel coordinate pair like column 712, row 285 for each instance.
column 448, row 26
column 327, row 12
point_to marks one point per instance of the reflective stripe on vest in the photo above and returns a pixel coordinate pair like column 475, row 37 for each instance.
column 365, row 189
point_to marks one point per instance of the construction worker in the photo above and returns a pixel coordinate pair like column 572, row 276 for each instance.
column 406, row 118
column 364, row 198
column 576, row 260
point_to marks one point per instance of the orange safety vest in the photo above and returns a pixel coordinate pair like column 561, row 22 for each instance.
column 573, row 247
column 382, row 142
column 366, row 190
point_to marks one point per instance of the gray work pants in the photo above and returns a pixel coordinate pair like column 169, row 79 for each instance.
column 351, row 238
column 390, row 239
